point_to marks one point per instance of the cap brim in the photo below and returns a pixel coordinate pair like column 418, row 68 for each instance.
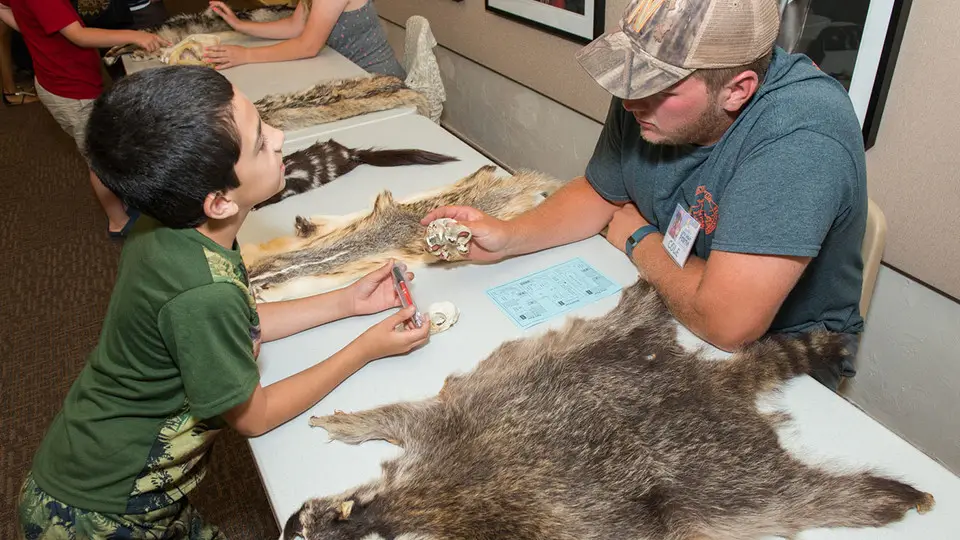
column 626, row 71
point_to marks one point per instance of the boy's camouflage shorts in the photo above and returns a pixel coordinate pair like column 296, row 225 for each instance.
column 44, row 518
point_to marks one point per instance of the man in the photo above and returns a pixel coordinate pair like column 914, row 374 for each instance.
column 756, row 151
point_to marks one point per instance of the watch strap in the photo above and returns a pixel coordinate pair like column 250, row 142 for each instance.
column 637, row 236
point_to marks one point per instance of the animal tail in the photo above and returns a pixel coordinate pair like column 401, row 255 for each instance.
column 854, row 500
column 812, row 499
column 764, row 364
column 120, row 50
column 294, row 527
column 397, row 158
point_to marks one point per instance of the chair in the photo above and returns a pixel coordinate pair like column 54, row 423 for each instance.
column 793, row 17
column 874, row 239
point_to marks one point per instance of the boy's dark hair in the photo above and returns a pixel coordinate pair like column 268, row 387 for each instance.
column 163, row 139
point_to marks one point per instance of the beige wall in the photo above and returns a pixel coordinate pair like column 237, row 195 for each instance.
column 529, row 56
column 914, row 168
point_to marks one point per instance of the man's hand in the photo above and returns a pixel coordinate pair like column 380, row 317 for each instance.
column 490, row 236
column 374, row 292
column 625, row 222
column 226, row 56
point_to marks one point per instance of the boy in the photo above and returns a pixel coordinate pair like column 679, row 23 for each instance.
column 68, row 77
column 176, row 361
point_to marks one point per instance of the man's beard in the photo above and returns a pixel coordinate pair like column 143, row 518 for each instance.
column 708, row 127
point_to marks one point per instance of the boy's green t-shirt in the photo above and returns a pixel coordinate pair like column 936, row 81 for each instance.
column 177, row 349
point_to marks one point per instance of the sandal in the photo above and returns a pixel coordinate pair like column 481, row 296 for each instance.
column 122, row 233
column 25, row 97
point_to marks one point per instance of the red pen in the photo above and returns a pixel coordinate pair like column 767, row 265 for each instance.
column 403, row 292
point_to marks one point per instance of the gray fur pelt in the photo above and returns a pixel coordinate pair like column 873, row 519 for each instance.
column 325, row 161
column 177, row 27
column 327, row 251
column 605, row 429
column 334, row 100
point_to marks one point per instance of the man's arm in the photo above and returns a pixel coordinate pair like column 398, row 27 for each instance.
column 6, row 15
column 728, row 300
column 574, row 212
column 775, row 215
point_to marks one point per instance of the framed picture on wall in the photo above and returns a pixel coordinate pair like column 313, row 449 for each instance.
column 578, row 20
column 854, row 41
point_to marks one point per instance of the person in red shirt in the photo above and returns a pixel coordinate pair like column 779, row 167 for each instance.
column 67, row 68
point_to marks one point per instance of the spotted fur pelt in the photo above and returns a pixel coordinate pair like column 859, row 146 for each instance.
column 328, row 251
column 604, row 429
column 334, row 100
column 178, row 27
column 325, row 161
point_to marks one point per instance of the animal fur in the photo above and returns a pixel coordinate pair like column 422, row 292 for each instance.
column 327, row 251
column 338, row 99
column 178, row 27
column 324, row 162
column 605, row 429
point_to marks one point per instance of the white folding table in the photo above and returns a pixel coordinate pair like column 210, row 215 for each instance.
column 296, row 461
column 260, row 79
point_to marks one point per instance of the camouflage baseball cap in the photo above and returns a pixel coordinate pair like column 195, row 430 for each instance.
column 662, row 41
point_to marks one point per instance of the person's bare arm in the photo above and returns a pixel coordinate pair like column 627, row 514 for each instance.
column 320, row 21
column 6, row 15
column 729, row 299
column 574, row 212
column 286, row 28
column 269, row 407
column 97, row 38
column 281, row 319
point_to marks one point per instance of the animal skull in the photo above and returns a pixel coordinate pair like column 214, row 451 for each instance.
column 447, row 239
column 442, row 316
column 190, row 50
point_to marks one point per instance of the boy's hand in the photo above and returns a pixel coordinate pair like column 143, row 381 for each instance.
column 225, row 13
column 226, row 56
column 374, row 292
column 385, row 339
column 149, row 42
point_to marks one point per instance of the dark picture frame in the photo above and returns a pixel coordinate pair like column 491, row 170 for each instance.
column 582, row 22
column 856, row 41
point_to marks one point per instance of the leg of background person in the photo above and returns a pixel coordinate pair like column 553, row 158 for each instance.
column 112, row 206
column 7, row 70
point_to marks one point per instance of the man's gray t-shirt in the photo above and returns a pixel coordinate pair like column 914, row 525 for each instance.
column 787, row 178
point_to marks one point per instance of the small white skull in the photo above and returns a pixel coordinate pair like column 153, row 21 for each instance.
column 448, row 239
column 190, row 50
column 442, row 316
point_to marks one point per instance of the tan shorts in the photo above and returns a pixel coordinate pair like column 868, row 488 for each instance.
column 71, row 114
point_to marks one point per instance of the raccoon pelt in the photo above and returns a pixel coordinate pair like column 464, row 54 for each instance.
column 604, row 429
column 328, row 251
column 337, row 99
column 325, row 161
column 178, row 27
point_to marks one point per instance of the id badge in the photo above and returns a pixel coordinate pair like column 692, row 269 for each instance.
column 681, row 234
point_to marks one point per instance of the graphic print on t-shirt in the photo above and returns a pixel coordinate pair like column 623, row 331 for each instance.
column 706, row 211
